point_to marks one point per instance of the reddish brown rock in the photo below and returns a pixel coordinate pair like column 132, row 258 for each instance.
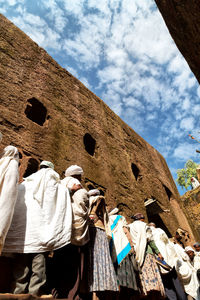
column 183, row 21
column 48, row 114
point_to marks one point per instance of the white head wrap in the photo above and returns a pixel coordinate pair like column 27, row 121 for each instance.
column 189, row 248
column 195, row 183
column 8, row 189
column 10, row 151
column 94, row 192
column 114, row 211
column 73, row 170
column 47, row 163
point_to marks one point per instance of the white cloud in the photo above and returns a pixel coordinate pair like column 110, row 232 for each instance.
column 56, row 14
column 38, row 30
column 132, row 102
column 187, row 124
column 85, row 82
column 185, row 151
column 72, row 71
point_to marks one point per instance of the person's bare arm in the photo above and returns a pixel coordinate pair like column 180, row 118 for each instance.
column 76, row 187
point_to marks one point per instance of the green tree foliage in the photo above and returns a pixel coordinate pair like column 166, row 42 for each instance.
column 184, row 175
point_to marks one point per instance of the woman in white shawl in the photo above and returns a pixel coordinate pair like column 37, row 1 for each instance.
column 101, row 273
column 9, row 176
column 145, row 248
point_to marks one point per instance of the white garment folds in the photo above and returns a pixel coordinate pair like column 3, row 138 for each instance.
column 8, row 193
column 42, row 219
column 80, row 205
column 165, row 247
column 120, row 240
column 138, row 231
column 187, row 273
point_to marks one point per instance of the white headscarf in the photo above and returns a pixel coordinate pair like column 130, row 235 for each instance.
column 73, row 170
column 94, row 192
column 189, row 248
column 9, row 176
column 39, row 182
column 9, row 153
column 47, row 164
column 194, row 183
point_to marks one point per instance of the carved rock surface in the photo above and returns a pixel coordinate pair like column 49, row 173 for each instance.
column 183, row 21
column 50, row 115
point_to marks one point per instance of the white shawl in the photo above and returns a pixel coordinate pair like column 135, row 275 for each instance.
column 195, row 183
column 165, row 247
column 187, row 273
column 80, row 206
column 42, row 219
column 8, row 189
column 138, row 231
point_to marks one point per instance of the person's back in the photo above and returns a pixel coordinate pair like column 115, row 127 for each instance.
column 42, row 222
column 9, row 176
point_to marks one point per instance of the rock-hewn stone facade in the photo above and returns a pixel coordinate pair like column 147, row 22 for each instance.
column 48, row 114
column 183, row 21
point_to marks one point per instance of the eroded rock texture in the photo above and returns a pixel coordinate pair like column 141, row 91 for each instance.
column 183, row 21
column 48, row 114
column 191, row 204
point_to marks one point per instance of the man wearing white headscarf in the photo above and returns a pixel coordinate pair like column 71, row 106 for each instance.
column 187, row 273
column 69, row 261
column 42, row 222
column 9, row 177
column 195, row 183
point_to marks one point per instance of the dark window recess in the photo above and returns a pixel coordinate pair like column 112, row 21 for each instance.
column 169, row 193
column 135, row 170
column 102, row 193
column 36, row 111
column 89, row 143
column 90, row 187
column 32, row 167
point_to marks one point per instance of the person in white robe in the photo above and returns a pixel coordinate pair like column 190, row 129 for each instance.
column 80, row 205
column 173, row 287
column 197, row 249
column 42, row 222
column 187, row 273
column 9, row 177
column 195, row 183
column 145, row 249
column 69, row 261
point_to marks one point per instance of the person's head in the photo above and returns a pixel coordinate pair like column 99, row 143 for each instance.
column 178, row 236
column 152, row 224
column 197, row 247
column 94, row 192
column 74, row 171
column 190, row 252
column 46, row 164
column 11, row 151
column 138, row 217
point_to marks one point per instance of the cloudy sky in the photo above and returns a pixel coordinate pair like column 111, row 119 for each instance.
column 122, row 51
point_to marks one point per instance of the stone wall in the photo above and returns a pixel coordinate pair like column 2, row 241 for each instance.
column 191, row 205
column 50, row 115
column 183, row 21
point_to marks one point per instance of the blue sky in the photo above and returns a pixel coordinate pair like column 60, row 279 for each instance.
column 122, row 51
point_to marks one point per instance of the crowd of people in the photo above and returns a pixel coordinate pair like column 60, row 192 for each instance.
column 65, row 242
